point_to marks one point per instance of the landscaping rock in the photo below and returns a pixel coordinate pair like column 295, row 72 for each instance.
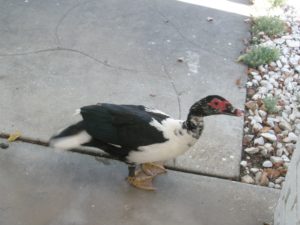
column 267, row 164
column 247, row 179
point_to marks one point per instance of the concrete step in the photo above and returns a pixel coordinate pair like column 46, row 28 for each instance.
column 40, row 186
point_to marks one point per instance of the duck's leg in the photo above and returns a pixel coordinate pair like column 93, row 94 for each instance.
column 153, row 169
column 139, row 180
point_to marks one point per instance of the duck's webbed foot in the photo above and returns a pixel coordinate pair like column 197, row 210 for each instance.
column 139, row 180
column 153, row 169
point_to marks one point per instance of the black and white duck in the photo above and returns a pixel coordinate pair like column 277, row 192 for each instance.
column 138, row 135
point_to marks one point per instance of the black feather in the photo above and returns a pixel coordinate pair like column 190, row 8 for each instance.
column 124, row 125
column 71, row 130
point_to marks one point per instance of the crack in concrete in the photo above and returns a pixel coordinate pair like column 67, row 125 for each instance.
column 171, row 80
column 63, row 17
column 104, row 63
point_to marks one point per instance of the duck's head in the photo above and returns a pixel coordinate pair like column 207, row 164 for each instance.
column 214, row 105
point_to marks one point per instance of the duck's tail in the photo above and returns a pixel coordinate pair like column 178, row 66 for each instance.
column 71, row 137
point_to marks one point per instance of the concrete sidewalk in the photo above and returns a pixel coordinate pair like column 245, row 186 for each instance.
column 59, row 55
column 40, row 186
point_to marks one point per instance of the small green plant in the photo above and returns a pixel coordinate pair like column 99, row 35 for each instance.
column 270, row 25
column 259, row 55
column 270, row 104
column 276, row 3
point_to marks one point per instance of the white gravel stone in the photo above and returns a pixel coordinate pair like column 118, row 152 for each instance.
column 251, row 150
column 285, row 125
column 254, row 170
column 256, row 96
column 262, row 113
column 285, row 50
column 257, row 119
column 290, row 147
column 269, row 147
column 294, row 60
column 279, row 64
column 285, row 158
column 247, row 179
column 273, row 64
column 264, row 152
column 259, row 141
column 271, row 185
column 292, row 137
column 254, row 73
column 255, row 83
column 243, row 163
column 283, row 59
column 257, row 127
column 279, row 180
column 279, row 152
column 257, row 77
column 277, row 186
column 279, row 41
column 258, row 176
column 267, row 164
column 276, row 159
column 288, row 80
column 270, row 122
column 292, row 117
column 293, row 44
column 268, row 136
column 249, row 84
column 263, row 90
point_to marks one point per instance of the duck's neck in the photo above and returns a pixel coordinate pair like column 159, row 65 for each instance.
column 194, row 125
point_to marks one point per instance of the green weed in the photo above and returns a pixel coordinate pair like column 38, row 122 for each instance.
column 270, row 25
column 259, row 55
column 270, row 104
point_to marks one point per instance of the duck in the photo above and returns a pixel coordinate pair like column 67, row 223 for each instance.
column 140, row 136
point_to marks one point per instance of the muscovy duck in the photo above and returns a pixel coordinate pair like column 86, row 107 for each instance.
column 139, row 135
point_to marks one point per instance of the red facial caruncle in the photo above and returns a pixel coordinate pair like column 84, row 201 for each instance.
column 219, row 105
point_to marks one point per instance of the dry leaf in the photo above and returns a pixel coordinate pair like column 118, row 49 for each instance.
column 272, row 173
column 251, row 105
column 14, row 136
column 265, row 129
column 277, row 129
column 264, row 181
column 277, row 164
column 250, row 92
column 238, row 83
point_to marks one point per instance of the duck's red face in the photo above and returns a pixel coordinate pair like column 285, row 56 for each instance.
column 220, row 105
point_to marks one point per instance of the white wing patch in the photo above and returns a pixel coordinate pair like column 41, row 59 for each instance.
column 179, row 141
column 156, row 111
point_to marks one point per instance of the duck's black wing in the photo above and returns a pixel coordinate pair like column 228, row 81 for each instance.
column 125, row 125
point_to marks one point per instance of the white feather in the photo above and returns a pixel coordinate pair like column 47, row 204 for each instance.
column 71, row 141
column 155, row 111
column 176, row 145
column 77, row 112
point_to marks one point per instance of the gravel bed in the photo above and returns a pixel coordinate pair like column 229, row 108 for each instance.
column 270, row 137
